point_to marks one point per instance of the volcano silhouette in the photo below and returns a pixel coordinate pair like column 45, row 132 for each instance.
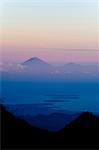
column 37, row 62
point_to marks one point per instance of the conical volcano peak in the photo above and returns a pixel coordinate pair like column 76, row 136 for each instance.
column 33, row 59
column 36, row 62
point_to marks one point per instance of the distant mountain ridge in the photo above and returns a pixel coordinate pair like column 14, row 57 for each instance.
column 43, row 118
column 38, row 69
column 51, row 122
column 67, row 68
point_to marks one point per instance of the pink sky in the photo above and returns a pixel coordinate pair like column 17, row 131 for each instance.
column 54, row 30
column 52, row 55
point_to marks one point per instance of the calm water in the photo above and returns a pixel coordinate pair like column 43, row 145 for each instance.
column 75, row 96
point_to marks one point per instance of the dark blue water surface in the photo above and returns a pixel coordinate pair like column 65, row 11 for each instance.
column 72, row 96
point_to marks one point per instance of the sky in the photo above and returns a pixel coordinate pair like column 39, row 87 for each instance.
column 54, row 30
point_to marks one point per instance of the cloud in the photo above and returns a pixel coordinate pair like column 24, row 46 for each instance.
column 7, row 67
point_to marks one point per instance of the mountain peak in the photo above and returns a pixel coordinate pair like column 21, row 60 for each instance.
column 85, row 120
column 33, row 59
column 72, row 64
column 37, row 63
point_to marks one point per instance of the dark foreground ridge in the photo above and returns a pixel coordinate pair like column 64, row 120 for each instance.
column 16, row 133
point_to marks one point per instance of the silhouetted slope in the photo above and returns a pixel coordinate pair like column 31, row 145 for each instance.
column 85, row 120
column 17, row 133
column 82, row 132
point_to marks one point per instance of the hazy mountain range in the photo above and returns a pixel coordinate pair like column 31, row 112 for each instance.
column 36, row 68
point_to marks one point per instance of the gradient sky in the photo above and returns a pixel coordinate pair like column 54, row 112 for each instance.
column 55, row 30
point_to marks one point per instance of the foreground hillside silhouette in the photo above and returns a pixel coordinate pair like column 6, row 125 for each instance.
column 81, row 133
